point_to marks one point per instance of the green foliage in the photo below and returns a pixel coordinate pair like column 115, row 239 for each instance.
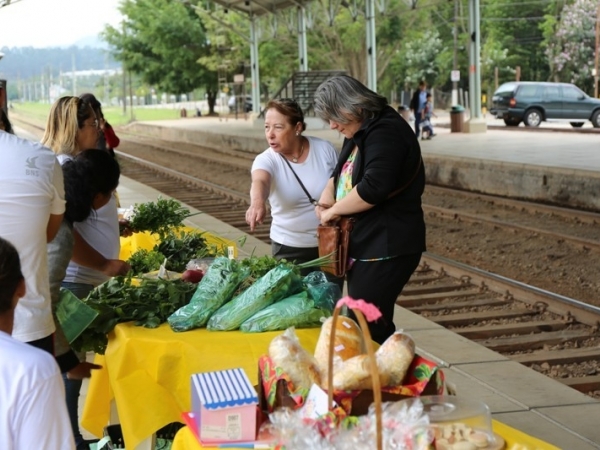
column 571, row 48
column 120, row 300
column 144, row 261
column 161, row 41
column 181, row 247
column 158, row 217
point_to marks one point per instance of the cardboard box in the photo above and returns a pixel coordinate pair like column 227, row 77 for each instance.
column 224, row 406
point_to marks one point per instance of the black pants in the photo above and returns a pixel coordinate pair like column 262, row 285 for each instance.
column 302, row 255
column 417, row 123
column 380, row 283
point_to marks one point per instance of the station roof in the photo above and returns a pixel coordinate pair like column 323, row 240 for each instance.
column 259, row 7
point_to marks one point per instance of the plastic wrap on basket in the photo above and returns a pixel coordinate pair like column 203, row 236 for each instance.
column 215, row 289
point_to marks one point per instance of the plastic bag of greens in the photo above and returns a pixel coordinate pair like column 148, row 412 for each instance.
column 325, row 295
column 214, row 290
column 280, row 282
column 298, row 311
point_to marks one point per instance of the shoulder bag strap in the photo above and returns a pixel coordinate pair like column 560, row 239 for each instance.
column 310, row 199
column 400, row 189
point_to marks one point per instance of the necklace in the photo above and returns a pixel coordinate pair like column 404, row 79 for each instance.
column 295, row 158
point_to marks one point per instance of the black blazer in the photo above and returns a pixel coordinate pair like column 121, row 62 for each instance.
column 388, row 157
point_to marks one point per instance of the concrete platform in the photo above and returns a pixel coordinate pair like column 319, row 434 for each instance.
column 516, row 395
column 560, row 168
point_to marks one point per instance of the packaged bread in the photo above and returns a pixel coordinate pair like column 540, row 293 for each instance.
column 394, row 358
column 286, row 352
column 348, row 343
column 354, row 373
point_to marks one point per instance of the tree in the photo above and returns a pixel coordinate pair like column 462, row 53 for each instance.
column 162, row 41
column 571, row 52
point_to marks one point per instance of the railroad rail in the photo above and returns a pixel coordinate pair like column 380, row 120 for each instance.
column 529, row 325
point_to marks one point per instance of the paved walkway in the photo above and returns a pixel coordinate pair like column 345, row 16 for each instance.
column 548, row 149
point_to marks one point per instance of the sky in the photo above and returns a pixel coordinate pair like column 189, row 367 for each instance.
column 52, row 23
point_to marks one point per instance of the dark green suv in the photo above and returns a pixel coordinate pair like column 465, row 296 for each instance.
column 534, row 102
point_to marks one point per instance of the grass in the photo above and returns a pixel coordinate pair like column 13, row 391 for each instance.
column 114, row 115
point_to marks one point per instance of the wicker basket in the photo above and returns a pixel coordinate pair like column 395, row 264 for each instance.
column 372, row 367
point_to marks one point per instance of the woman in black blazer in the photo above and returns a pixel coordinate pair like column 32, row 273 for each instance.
column 379, row 179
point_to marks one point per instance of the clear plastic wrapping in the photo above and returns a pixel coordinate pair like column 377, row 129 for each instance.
column 215, row 289
column 280, row 282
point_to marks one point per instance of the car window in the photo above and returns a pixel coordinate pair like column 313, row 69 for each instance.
column 505, row 88
column 528, row 90
column 551, row 93
column 570, row 93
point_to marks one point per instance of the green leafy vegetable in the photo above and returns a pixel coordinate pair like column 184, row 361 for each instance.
column 158, row 217
column 118, row 300
column 144, row 261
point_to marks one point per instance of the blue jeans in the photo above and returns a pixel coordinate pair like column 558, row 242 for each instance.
column 73, row 387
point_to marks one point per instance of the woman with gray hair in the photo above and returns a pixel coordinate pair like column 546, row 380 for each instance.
column 378, row 180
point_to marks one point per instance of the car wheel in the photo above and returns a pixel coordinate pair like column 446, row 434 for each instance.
column 533, row 118
column 576, row 124
column 596, row 119
column 512, row 122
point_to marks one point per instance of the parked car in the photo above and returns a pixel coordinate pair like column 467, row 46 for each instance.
column 534, row 102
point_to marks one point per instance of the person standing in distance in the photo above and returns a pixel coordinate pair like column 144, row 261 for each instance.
column 379, row 180
column 417, row 103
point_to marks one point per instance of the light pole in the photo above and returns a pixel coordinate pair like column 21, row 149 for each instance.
column 596, row 52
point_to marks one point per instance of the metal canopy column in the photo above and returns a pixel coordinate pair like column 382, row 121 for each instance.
column 302, row 49
column 476, row 123
column 254, row 65
column 371, row 47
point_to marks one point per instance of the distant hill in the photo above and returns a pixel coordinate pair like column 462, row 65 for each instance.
column 30, row 62
column 91, row 41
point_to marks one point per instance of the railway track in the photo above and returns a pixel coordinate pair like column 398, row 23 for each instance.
column 555, row 335
column 534, row 327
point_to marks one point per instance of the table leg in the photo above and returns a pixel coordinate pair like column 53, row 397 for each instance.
column 147, row 444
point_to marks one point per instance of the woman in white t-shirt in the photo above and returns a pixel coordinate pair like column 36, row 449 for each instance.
column 279, row 174
column 72, row 128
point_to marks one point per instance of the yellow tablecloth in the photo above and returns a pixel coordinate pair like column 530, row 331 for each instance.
column 147, row 372
column 515, row 439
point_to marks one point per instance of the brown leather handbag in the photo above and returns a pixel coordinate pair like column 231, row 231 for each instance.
column 334, row 240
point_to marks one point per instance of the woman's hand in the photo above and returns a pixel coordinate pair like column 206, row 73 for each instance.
column 255, row 214
column 328, row 215
column 82, row 370
column 124, row 228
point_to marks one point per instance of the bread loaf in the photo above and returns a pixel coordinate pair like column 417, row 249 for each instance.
column 348, row 343
column 355, row 374
column 394, row 358
column 286, row 352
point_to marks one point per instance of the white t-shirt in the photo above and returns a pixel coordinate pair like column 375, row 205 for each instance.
column 101, row 231
column 31, row 189
column 294, row 220
column 33, row 412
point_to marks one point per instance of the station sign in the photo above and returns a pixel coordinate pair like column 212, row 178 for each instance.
column 455, row 75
